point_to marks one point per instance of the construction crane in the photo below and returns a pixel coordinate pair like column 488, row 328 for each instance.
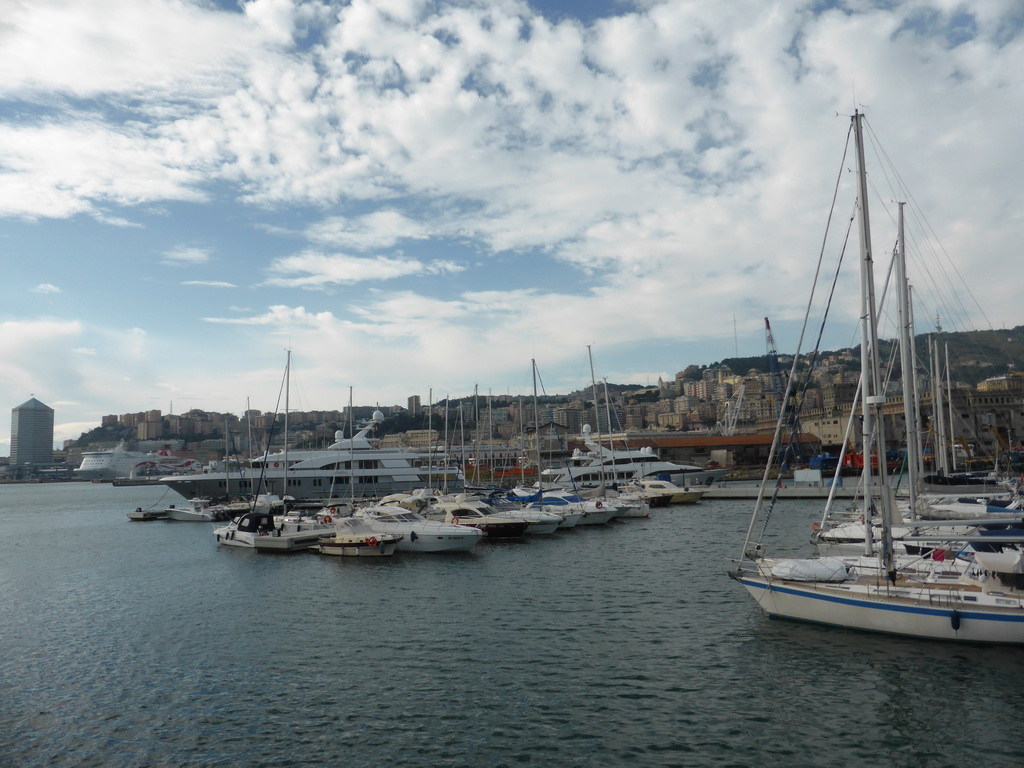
column 778, row 388
column 792, row 444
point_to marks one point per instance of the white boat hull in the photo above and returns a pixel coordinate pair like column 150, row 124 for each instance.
column 893, row 611
column 357, row 548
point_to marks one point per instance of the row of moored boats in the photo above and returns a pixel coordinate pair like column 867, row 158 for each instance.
column 425, row 520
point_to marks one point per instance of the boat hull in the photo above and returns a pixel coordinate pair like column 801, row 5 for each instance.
column 893, row 612
column 357, row 548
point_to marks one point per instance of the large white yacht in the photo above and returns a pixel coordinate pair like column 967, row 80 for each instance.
column 357, row 468
column 600, row 464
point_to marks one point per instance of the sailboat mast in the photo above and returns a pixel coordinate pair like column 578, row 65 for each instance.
column 430, row 437
column 597, row 415
column 907, row 364
column 351, row 451
column 287, row 391
column 949, row 411
column 536, row 432
column 873, row 397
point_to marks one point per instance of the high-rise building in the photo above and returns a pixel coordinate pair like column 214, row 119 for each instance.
column 414, row 405
column 32, row 433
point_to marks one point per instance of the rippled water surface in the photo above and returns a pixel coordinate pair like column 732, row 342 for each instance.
column 144, row 644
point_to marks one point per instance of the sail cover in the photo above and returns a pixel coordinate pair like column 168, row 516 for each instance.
column 817, row 569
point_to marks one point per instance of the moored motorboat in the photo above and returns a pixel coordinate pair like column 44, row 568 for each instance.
column 145, row 515
column 205, row 511
column 494, row 524
column 354, row 537
column 662, row 493
column 418, row 534
column 267, row 532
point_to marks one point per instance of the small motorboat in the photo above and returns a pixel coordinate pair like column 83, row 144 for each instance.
column 144, row 515
column 270, row 533
column 418, row 534
column 354, row 537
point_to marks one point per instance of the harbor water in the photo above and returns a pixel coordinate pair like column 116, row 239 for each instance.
column 145, row 644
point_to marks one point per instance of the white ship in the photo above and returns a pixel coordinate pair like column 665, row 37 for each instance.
column 118, row 462
column 350, row 468
column 601, row 464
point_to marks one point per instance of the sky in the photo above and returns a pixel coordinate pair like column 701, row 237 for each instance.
column 419, row 198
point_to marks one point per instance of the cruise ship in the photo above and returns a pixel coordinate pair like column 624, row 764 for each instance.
column 357, row 467
column 118, row 462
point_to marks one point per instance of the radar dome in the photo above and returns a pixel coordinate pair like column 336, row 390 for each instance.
column 586, row 429
column 339, row 435
column 377, row 417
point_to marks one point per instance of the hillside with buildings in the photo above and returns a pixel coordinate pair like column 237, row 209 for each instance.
column 736, row 396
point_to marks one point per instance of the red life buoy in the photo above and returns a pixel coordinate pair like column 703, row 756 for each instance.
column 600, row 505
column 328, row 519
column 276, row 465
column 455, row 521
column 816, row 527
column 372, row 541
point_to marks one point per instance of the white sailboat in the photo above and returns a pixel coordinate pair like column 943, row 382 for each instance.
column 975, row 598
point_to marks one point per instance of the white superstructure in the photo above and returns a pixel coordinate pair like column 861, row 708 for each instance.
column 357, row 467
column 600, row 464
column 119, row 462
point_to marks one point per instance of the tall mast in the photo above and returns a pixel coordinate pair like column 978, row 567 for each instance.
column 536, row 431
column 597, row 416
column 949, row 409
column 351, row 451
column 430, row 437
column 287, row 390
column 873, row 398
column 907, row 364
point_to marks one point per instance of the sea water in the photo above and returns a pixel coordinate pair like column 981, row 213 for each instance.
column 145, row 644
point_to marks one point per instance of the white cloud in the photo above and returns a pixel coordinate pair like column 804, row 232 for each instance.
column 381, row 229
column 210, row 283
column 319, row 271
column 184, row 256
column 46, row 288
column 675, row 159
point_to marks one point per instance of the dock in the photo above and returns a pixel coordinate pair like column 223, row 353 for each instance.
column 786, row 492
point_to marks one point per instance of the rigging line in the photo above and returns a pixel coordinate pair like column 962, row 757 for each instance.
column 759, row 503
column 810, row 367
column 918, row 212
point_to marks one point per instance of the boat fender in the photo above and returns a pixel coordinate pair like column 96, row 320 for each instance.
column 218, row 538
column 413, row 536
column 328, row 519
column 954, row 620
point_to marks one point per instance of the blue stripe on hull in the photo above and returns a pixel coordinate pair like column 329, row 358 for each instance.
column 1012, row 631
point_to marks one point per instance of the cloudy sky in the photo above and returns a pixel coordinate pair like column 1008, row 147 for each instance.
column 421, row 196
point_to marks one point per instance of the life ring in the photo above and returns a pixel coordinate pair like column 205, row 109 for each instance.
column 600, row 505
column 372, row 541
column 455, row 521
column 333, row 510
column 816, row 526
column 328, row 519
column 276, row 465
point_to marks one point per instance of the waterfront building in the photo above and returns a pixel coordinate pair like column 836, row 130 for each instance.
column 32, row 433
